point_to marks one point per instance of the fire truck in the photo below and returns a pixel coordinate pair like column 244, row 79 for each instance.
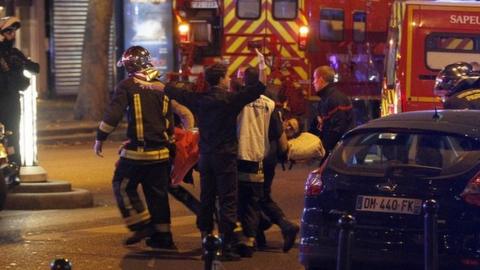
column 295, row 36
column 423, row 38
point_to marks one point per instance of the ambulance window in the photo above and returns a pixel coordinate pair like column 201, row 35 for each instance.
column 285, row 9
column 331, row 24
column 442, row 49
column 248, row 9
column 359, row 24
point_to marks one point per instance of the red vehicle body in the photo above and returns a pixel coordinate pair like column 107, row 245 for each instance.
column 424, row 37
column 296, row 36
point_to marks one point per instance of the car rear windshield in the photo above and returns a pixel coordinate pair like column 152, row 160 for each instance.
column 374, row 151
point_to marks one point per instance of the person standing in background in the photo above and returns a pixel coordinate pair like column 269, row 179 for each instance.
column 334, row 111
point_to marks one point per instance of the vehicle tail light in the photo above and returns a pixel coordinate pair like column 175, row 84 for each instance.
column 314, row 185
column 302, row 37
column 184, row 32
column 471, row 193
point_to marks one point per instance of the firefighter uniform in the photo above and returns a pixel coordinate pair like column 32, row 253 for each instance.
column 144, row 159
column 335, row 116
column 466, row 99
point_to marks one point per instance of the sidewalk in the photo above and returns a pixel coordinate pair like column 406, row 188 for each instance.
column 56, row 124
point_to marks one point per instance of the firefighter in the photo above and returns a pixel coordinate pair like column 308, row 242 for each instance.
column 216, row 112
column 12, row 65
column 145, row 157
column 457, row 84
column 335, row 115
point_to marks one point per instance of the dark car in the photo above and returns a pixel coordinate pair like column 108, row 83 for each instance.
column 381, row 173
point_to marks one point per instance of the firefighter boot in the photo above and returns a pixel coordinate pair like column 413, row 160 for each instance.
column 246, row 247
column 228, row 252
column 289, row 233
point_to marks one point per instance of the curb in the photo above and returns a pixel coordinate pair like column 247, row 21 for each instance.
column 76, row 198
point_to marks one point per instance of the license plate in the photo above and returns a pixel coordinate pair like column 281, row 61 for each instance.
column 389, row 205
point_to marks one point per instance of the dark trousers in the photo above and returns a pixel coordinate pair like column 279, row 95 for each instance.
column 249, row 195
column 269, row 207
column 218, row 177
column 10, row 118
column 154, row 178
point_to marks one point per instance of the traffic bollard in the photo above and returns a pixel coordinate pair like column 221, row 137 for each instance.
column 211, row 247
column 430, row 235
column 61, row 264
column 345, row 237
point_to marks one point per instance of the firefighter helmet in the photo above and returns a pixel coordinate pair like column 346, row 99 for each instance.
column 9, row 24
column 134, row 59
column 450, row 79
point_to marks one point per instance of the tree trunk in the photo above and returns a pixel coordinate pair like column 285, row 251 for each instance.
column 92, row 95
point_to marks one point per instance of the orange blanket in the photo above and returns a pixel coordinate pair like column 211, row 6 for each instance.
column 187, row 153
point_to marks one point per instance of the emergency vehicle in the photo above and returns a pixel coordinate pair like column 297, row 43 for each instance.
column 424, row 37
column 296, row 36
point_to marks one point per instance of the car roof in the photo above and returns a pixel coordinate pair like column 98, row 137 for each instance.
column 461, row 122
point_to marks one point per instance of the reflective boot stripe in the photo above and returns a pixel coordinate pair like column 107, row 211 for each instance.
column 137, row 218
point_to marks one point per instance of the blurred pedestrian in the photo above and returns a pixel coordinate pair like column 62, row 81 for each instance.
column 145, row 157
column 13, row 63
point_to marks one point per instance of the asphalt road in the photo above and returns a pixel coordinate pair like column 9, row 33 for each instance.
column 91, row 238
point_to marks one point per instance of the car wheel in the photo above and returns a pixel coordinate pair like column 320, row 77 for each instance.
column 3, row 191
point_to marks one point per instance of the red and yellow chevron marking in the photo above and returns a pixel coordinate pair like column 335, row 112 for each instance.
column 238, row 33
column 388, row 102
column 457, row 44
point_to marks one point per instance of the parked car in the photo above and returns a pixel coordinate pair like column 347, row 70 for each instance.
column 381, row 173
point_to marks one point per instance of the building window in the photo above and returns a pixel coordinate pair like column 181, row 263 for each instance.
column 359, row 25
column 331, row 24
column 248, row 9
column 442, row 49
column 285, row 9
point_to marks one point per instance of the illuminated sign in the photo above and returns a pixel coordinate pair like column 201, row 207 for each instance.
column 149, row 24
column 204, row 4
column 464, row 19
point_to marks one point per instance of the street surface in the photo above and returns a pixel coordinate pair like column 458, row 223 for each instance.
column 92, row 238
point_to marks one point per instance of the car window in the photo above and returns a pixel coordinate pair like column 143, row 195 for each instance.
column 375, row 151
